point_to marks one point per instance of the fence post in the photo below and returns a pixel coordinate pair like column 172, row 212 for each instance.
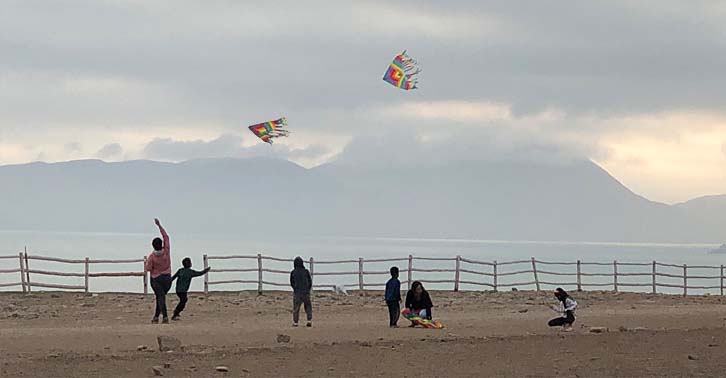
column 85, row 276
column 495, row 275
column 360, row 274
column 146, row 278
column 654, row 284
column 685, row 280
column 721, row 280
column 27, row 270
column 22, row 273
column 259, row 274
column 312, row 273
column 457, row 274
column 534, row 270
column 615, row 275
column 410, row 270
column 205, row 258
column 579, row 275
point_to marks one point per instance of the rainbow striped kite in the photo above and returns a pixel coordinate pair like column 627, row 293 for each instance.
column 402, row 72
column 410, row 315
column 272, row 129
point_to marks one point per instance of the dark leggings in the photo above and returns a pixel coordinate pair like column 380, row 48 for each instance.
column 568, row 319
column 161, row 286
column 394, row 310
column 183, row 298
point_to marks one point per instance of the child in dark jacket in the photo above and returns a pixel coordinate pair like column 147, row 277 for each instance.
column 184, row 279
column 393, row 298
column 301, row 283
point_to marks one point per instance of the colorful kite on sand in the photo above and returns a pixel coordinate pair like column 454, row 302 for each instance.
column 402, row 72
column 408, row 314
column 272, row 129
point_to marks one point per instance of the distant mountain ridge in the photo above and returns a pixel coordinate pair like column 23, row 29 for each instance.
column 575, row 201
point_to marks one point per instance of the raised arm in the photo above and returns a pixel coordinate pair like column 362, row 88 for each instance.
column 164, row 236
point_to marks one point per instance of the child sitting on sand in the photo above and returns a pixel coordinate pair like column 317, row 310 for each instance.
column 184, row 279
column 419, row 301
column 301, row 283
column 393, row 297
column 567, row 310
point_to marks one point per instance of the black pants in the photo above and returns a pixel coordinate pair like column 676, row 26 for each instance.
column 394, row 311
column 568, row 319
column 301, row 299
column 183, row 298
column 161, row 286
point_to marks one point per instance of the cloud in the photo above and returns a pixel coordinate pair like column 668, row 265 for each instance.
column 457, row 111
column 229, row 145
column 72, row 147
column 592, row 79
column 480, row 146
column 109, row 151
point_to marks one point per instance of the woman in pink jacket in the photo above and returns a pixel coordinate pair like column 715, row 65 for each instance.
column 158, row 264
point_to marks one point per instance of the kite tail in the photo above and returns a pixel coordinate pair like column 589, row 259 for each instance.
column 279, row 133
column 412, row 74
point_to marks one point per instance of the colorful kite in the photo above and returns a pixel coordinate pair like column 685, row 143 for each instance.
column 412, row 316
column 272, row 129
column 402, row 72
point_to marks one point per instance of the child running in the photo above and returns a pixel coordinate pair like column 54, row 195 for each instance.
column 393, row 298
column 158, row 264
column 567, row 310
column 184, row 279
column 419, row 301
column 301, row 283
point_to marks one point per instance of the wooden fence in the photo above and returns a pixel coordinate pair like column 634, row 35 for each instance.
column 29, row 276
column 487, row 275
column 481, row 274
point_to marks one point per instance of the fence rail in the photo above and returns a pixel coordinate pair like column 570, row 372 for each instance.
column 30, row 277
column 478, row 273
column 458, row 271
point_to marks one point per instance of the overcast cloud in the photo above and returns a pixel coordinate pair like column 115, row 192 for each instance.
column 636, row 86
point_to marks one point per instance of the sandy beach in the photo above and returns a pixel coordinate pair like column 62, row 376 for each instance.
column 486, row 335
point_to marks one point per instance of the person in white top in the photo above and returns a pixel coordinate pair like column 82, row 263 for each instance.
column 568, row 306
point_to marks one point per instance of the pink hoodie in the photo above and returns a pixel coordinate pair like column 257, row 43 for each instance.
column 159, row 262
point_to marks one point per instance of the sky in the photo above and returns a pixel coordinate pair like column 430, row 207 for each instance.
column 636, row 86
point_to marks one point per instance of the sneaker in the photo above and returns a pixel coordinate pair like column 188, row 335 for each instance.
column 394, row 326
column 175, row 318
column 294, row 324
column 154, row 320
column 310, row 324
column 165, row 320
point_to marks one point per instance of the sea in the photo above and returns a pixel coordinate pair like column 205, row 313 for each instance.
column 79, row 245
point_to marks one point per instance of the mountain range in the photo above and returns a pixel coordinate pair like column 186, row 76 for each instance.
column 508, row 200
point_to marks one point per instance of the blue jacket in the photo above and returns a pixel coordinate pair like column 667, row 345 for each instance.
column 393, row 290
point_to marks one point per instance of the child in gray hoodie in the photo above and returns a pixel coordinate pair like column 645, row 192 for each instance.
column 301, row 283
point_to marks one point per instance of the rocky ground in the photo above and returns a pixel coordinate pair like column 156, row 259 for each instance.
column 246, row 335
